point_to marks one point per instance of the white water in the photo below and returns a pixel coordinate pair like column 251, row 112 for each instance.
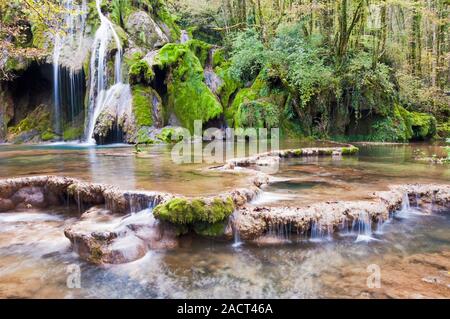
column 101, row 95
column 235, row 226
column 74, row 22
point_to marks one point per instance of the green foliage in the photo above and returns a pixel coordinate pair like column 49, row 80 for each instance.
column 188, row 212
column 218, row 57
column 229, row 84
column 168, row 134
column 248, row 55
column 120, row 9
column 423, row 125
column 258, row 115
column 142, row 105
column 299, row 63
column 39, row 120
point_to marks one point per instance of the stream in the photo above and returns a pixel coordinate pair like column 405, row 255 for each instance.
column 411, row 249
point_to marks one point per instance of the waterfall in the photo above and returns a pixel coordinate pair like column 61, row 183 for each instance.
column 234, row 220
column 101, row 95
column 363, row 227
column 184, row 36
column 321, row 231
column 67, row 86
column 212, row 80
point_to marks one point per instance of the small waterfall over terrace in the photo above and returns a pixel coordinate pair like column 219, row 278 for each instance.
column 68, row 83
column 116, row 97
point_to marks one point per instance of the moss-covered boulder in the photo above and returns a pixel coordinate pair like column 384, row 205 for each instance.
column 147, row 106
column 188, row 96
column 204, row 216
column 35, row 127
column 423, row 125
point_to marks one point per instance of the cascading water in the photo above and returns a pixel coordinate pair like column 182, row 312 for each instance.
column 321, row 231
column 68, row 87
column 234, row 220
column 363, row 227
column 100, row 96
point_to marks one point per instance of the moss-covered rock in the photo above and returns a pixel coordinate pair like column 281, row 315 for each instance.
column 142, row 105
column 443, row 130
column 72, row 133
column 206, row 217
column 229, row 87
column 144, row 31
column 141, row 72
column 189, row 98
column 35, row 126
column 423, row 125
column 201, row 50
column 257, row 114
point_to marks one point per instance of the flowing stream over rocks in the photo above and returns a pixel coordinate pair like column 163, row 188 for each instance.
column 311, row 229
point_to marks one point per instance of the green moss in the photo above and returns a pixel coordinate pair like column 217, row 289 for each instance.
column 201, row 50
column 228, row 87
column 39, row 38
column 243, row 96
column 350, row 150
column 143, row 137
column 142, row 105
column 218, row 58
column 160, row 9
column 47, row 136
column 167, row 135
column 39, row 119
column 210, row 230
column 187, row 94
column 423, row 125
column 72, row 133
column 257, row 114
column 188, row 212
column 260, row 99
column 141, row 72
column 443, row 130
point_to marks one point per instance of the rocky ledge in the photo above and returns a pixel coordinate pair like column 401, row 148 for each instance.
column 328, row 217
column 271, row 158
column 119, row 226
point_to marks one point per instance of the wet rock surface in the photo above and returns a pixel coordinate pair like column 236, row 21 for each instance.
column 101, row 237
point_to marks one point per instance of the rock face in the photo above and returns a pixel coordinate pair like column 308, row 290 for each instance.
column 6, row 111
column 145, row 31
column 253, row 222
column 44, row 191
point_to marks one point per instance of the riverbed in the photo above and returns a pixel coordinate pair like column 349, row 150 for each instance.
column 411, row 250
